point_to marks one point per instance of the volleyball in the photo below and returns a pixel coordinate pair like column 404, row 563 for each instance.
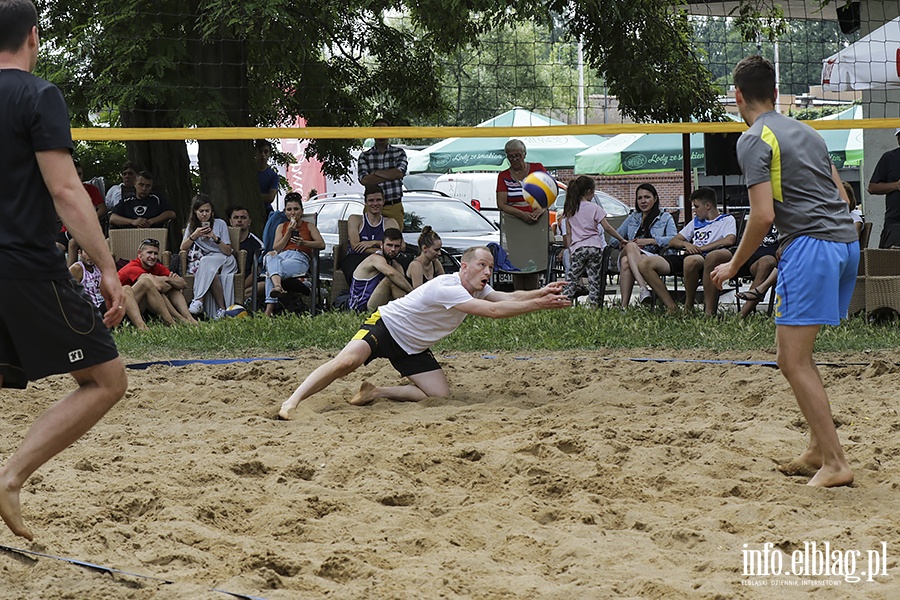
column 540, row 189
column 237, row 311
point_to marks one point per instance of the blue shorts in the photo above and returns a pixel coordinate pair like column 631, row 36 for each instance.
column 815, row 282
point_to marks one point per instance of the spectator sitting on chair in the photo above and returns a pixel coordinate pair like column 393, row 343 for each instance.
column 64, row 239
column 384, row 165
column 85, row 272
column 125, row 189
column 378, row 279
column 266, row 177
column 210, row 259
column 239, row 216
column 155, row 287
column 762, row 267
column 650, row 231
column 144, row 209
column 365, row 232
column 705, row 240
column 294, row 242
column 426, row 265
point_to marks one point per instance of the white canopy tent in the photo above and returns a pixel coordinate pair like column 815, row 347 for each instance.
column 871, row 63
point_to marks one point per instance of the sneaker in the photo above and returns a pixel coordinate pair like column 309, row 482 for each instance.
column 645, row 295
column 196, row 307
column 219, row 314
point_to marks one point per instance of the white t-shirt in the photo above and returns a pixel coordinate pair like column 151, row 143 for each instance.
column 427, row 315
column 722, row 226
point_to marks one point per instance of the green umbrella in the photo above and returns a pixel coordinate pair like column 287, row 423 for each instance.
column 487, row 154
column 845, row 146
column 638, row 153
column 654, row 153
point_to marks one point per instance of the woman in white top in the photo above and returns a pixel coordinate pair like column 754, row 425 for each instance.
column 210, row 259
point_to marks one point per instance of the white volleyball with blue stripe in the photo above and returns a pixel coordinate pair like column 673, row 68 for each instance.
column 540, row 189
column 237, row 311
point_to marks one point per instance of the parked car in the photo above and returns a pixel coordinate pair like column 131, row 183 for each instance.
column 416, row 182
column 615, row 208
column 459, row 225
column 476, row 189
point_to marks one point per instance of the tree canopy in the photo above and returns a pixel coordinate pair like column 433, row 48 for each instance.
column 193, row 63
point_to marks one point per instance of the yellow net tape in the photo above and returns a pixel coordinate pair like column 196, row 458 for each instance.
column 333, row 133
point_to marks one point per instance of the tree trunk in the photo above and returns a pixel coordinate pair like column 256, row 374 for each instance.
column 167, row 161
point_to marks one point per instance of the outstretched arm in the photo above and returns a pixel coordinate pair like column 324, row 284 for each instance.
column 500, row 305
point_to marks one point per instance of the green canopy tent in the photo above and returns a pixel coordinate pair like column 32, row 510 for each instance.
column 487, row 154
column 844, row 145
column 654, row 153
column 639, row 153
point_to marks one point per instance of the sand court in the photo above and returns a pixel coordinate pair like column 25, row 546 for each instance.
column 564, row 476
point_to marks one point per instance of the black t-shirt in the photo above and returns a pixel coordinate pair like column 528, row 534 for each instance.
column 34, row 119
column 133, row 208
column 886, row 171
column 254, row 248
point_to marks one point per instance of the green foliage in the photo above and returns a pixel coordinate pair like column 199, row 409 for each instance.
column 101, row 159
column 645, row 51
column 802, row 45
column 810, row 114
column 571, row 329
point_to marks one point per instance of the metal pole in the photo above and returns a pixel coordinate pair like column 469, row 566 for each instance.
column 580, row 117
column 686, row 171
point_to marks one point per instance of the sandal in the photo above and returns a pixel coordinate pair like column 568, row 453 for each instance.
column 751, row 295
column 278, row 292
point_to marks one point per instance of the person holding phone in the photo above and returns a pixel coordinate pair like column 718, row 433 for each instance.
column 210, row 259
column 294, row 242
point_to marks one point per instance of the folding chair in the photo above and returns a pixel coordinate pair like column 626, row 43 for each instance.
column 303, row 285
column 882, row 281
column 124, row 243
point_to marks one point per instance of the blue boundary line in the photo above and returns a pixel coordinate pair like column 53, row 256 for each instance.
column 739, row 363
column 111, row 570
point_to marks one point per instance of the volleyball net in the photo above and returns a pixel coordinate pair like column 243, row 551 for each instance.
column 173, row 71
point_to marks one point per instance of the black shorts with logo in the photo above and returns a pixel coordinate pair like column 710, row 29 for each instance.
column 375, row 333
column 49, row 327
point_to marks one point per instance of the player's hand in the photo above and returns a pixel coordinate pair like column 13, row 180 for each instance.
column 691, row 248
column 551, row 301
column 112, row 292
column 554, row 287
column 723, row 273
column 362, row 246
column 537, row 212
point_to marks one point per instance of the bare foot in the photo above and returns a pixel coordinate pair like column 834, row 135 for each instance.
column 12, row 513
column 832, row 477
column 672, row 311
column 286, row 408
column 365, row 395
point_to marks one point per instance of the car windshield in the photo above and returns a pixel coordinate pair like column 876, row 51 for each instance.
column 444, row 217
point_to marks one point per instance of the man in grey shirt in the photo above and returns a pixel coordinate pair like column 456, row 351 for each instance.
column 791, row 181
